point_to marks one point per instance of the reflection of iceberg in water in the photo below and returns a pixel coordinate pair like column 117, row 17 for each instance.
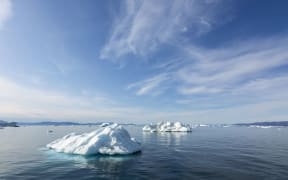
column 173, row 138
column 164, row 138
column 105, row 165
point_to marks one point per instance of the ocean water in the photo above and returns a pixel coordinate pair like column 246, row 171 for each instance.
column 206, row 153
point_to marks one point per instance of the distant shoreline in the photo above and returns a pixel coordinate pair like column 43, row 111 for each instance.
column 65, row 123
column 69, row 123
column 276, row 123
column 8, row 124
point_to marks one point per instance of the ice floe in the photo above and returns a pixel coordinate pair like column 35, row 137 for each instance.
column 167, row 127
column 203, row 125
column 111, row 140
column 262, row 127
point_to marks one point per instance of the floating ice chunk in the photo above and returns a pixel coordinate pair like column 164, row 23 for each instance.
column 111, row 140
column 263, row 127
column 150, row 128
column 167, row 127
column 203, row 125
column 225, row 126
column 104, row 124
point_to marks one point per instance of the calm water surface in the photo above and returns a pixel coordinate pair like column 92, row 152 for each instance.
column 206, row 153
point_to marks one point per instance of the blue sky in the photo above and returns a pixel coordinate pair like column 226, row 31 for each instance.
column 202, row 61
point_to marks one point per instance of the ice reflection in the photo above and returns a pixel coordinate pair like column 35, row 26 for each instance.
column 108, row 165
column 166, row 138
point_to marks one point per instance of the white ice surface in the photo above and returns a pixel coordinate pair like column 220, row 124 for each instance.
column 167, row 127
column 111, row 140
column 263, row 127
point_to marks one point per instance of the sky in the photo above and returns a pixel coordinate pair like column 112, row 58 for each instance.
column 142, row 61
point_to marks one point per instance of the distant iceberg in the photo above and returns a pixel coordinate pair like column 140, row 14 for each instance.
column 167, row 127
column 111, row 140
column 262, row 127
column 203, row 125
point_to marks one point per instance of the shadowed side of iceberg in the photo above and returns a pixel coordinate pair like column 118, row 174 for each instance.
column 111, row 140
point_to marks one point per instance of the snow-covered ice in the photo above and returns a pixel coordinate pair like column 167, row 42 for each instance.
column 111, row 140
column 167, row 127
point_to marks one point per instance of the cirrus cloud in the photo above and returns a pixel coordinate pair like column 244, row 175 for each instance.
column 5, row 11
column 144, row 25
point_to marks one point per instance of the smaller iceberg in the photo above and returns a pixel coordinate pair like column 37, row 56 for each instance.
column 167, row 127
column 111, row 140
column 203, row 125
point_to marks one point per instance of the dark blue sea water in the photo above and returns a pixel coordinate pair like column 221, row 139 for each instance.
column 206, row 153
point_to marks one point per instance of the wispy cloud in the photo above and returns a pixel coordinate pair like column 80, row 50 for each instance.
column 272, row 110
column 146, row 24
column 20, row 101
column 152, row 86
column 228, row 68
column 5, row 11
column 241, row 73
column 198, row 90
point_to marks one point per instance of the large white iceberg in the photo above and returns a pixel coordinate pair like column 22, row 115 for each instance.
column 167, row 127
column 111, row 140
